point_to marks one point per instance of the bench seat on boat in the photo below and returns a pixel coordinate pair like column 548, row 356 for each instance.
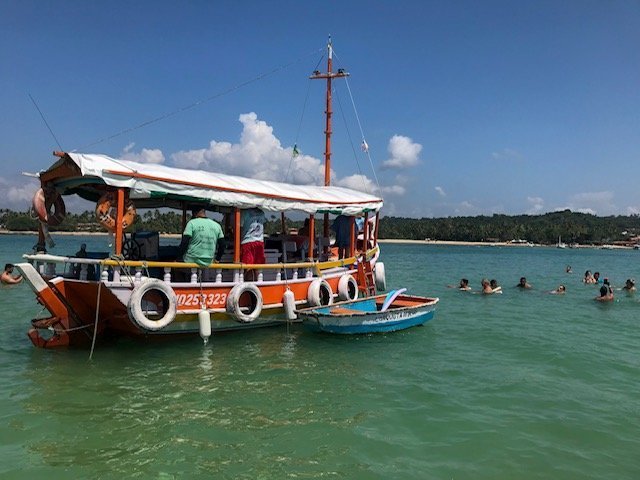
column 345, row 311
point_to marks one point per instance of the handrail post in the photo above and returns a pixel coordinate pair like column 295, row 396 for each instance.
column 312, row 236
column 353, row 236
column 236, row 235
column 366, row 232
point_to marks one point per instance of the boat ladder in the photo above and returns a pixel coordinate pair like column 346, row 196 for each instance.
column 366, row 281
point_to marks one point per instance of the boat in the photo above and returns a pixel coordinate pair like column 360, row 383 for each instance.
column 138, row 288
column 560, row 243
column 377, row 314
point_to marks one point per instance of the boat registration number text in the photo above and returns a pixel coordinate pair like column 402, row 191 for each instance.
column 212, row 300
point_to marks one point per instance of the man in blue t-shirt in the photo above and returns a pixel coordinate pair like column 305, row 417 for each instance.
column 200, row 239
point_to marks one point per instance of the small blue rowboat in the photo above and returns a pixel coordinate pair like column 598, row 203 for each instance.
column 381, row 313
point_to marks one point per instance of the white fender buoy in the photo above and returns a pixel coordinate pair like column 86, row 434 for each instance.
column 347, row 288
column 252, row 295
column 319, row 293
column 204, row 319
column 167, row 297
column 379, row 276
column 289, row 302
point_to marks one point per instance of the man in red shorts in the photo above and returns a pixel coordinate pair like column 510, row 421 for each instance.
column 252, row 244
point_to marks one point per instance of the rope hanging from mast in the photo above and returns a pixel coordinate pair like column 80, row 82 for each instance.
column 295, row 152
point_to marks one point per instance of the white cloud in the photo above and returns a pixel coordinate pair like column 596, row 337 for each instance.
column 466, row 208
column 365, row 184
column 18, row 193
column 397, row 190
column 146, row 155
column 507, row 155
column 595, row 203
column 631, row 210
column 259, row 154
column 536, row 205
column 404, row 153
column 440, row 191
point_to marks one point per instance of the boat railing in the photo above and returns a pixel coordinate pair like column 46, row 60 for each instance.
column 113, row 269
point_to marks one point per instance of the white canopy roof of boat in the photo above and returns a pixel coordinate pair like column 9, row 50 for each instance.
column 149, row 181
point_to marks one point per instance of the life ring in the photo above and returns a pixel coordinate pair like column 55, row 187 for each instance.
column 167, row 297
column 237, row 302
column 347, row 288
column 319, row 293
column 379, row 276
column 42, row 203
column 106, row 211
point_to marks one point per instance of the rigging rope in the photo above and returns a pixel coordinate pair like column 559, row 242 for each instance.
column 364, row 142
column 355, row 155
column 294, row 153
column 199, row 102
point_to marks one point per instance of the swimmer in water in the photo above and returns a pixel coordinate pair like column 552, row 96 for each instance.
column 629, row 285
column 606, row 292
column 463, row 286
column 523, row 283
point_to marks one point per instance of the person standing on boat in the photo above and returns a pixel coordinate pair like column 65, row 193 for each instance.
column 200, row 238
column 7, row 276
column 252, row 232
column 342, row 228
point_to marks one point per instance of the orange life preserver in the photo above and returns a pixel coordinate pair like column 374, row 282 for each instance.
column 106, row 211
column 42, row 203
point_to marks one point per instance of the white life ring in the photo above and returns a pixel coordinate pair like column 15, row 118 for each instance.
column 255, row 302
column 379, row 276
column 319, row 293
column 167, row 297
column 347, row 288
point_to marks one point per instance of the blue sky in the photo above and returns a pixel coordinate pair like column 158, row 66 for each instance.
column 468, row 107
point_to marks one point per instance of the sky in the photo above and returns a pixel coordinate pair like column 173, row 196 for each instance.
column 468, row 108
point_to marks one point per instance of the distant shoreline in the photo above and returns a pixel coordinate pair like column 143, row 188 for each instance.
column 492, row 244
column 381, row 240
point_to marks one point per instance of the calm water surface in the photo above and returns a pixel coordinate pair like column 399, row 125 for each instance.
column 521, row 385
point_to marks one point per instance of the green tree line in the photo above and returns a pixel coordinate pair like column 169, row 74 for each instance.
column 545, row 229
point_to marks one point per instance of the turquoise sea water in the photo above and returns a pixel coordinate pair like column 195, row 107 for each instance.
column 522, row 385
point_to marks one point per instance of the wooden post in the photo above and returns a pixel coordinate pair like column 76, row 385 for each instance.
column 119, row 215
column 41, row 237
column 375, row 233
column 236, row 232
column 312, row 236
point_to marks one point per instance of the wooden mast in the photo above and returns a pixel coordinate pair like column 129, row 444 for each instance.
column 329, row 75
